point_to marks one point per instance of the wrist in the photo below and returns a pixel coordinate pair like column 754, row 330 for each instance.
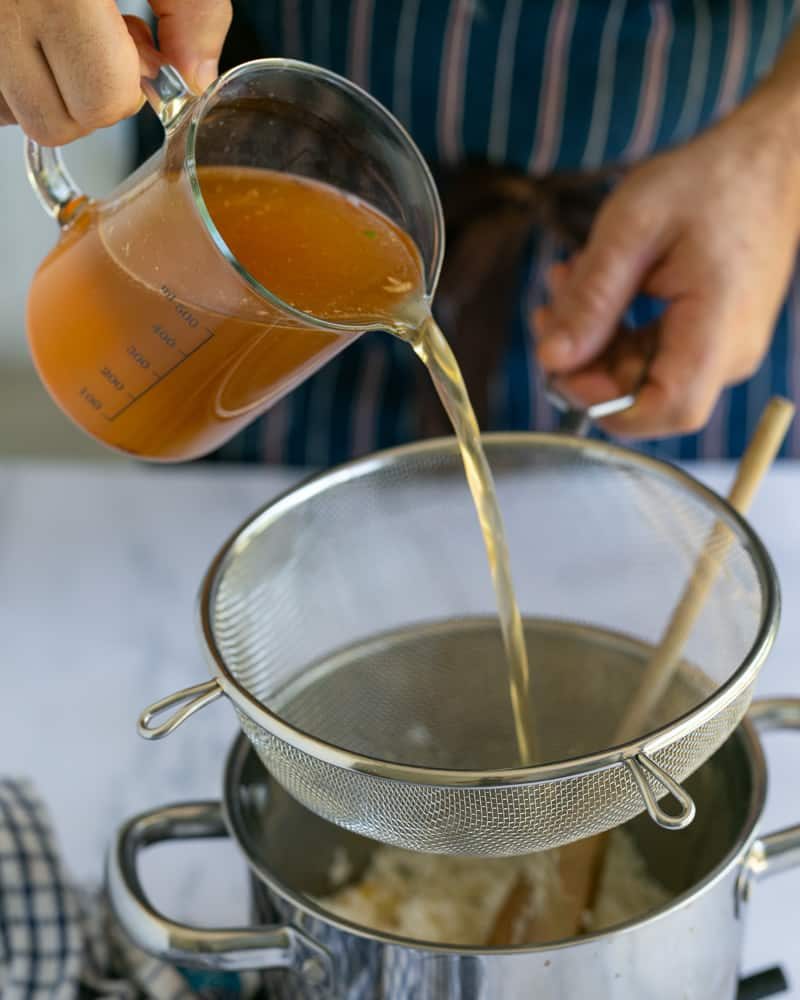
column 768, row 125
column 777, row 99
column 778, row 94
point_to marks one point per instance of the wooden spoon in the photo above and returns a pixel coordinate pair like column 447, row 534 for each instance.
column 581, row 862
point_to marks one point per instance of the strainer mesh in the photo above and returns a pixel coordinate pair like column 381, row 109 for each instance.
column 360, row 611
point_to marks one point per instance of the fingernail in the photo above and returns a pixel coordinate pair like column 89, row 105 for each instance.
column 556, row 278
column 539, row 322
column 205, row 73
column 557, row 347
column 628, row 372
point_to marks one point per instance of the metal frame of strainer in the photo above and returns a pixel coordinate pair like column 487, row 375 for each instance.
column 636, row 754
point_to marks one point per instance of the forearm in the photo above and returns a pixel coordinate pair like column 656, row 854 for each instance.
column 777, row 97
column 785, row 75
column 766, row 125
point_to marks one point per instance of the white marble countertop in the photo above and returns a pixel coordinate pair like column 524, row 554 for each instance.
column 99, row 567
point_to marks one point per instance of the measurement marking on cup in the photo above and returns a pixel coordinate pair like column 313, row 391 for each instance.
column 182, row 310
column 157, row 376
column 113, row 379
column 165, row 336
column 138, row 357
column 201, row 344
column 91, row 399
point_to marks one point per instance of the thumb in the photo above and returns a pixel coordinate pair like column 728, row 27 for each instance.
column 587, row 308
column 149, row 58
column 191, row 34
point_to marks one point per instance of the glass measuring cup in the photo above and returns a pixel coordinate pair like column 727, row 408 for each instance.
column 144, row 326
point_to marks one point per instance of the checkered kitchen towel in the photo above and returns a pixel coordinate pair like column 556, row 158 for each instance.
column 60, row 943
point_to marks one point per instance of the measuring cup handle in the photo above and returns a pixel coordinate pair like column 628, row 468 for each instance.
column 166, row 93
column 58, row 194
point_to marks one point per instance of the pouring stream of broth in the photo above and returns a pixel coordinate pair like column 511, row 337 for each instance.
column 332, row 255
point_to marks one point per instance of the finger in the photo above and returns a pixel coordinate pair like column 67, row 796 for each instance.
column 191, row 34
column 545, row 322
column 93, row 60
column 584, row 314
column 588, row 387
column 538, row 322
column 686, row 377
column 33, row 98
column 149, row 57
column 620, row 371
column 557, row 277
column 6, row 117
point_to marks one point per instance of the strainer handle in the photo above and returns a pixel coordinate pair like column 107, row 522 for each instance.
column 775, row 852
column 192, row 699
column 575, row 420
column 231, row 949
column 642, row 768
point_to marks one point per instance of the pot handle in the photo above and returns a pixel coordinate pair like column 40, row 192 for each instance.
column 779, row 851
column 230, row 949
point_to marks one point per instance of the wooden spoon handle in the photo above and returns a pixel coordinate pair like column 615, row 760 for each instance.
column 759, row 456
column 581, row 862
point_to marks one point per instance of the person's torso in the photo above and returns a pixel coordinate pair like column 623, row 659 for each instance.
column 534, row 85
column 537, row 85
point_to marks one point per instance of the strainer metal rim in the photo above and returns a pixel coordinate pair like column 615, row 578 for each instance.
column 647, row 744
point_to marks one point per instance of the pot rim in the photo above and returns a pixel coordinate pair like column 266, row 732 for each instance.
column 648, row 743
column 751, row 744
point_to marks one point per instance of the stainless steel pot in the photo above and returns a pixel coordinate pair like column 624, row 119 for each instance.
column 688, row 949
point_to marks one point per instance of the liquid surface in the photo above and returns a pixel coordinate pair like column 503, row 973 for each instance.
column 322, row 251
column 153, row 343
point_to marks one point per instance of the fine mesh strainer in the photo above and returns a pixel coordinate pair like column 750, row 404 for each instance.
column 351, row 623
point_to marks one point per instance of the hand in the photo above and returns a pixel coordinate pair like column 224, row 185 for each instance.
column 711, row 229
column 70, row 67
